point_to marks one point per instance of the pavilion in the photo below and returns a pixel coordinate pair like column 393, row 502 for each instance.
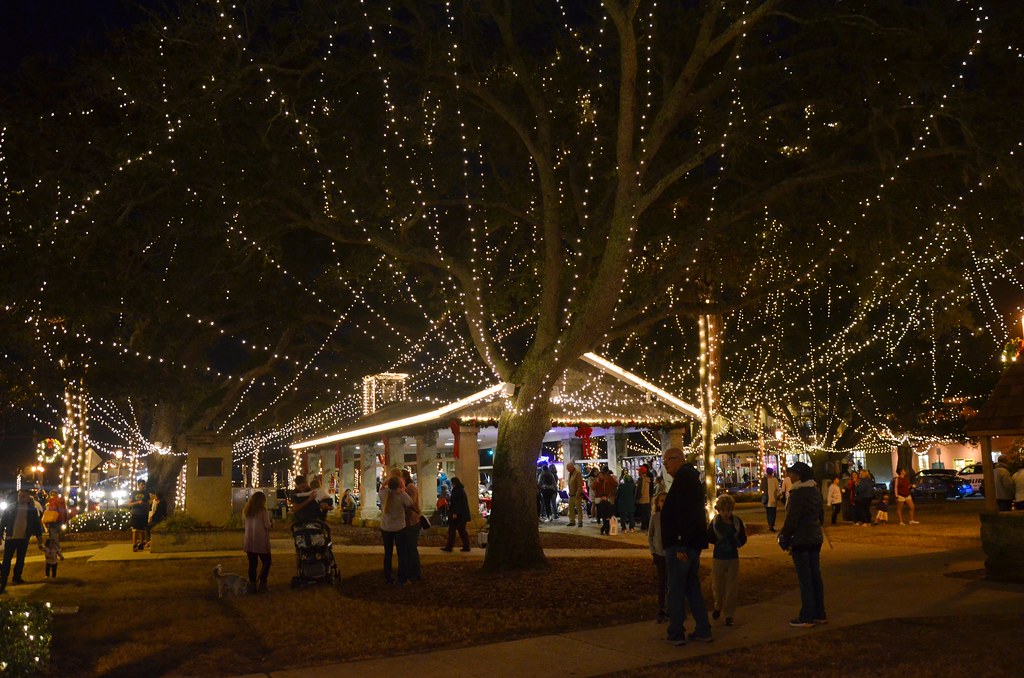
column 595, row 401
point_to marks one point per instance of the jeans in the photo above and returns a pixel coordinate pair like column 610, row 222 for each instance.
column 604, row 514
column 575, row 511
column 864, row 510
column 460, row 527
column 683, row 588
column 628, row 521
column 51, row 570
column 549, row 498
column 411, row 557
column 1004, row 504
column 807, row 560
column 836, row 509
column 391, row 541
column 770, row 513
column 643, row 515
column 53, row 532
column 13, row 548
column 264, row 560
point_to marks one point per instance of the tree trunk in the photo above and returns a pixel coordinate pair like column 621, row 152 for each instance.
column 163, row 469
column 710, row 363
column 514, row 542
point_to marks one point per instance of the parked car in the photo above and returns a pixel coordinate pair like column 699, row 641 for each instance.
column 111, row 492
column 940, row 487
column 881, row 489
column 974, row 475
column 947, row 472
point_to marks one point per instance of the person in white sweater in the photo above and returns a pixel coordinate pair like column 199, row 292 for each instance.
column 835, row 498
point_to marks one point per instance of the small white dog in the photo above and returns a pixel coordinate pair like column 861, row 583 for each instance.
column 232, row 583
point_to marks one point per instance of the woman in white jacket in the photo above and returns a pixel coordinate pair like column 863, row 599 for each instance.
column 835, row 498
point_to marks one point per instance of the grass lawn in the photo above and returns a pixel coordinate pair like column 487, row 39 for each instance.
column 951, row 525
column 163, row 617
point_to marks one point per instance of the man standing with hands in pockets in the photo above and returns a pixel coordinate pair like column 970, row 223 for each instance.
column 684, row 534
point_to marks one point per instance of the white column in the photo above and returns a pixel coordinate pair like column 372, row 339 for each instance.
column 616, row 448
column 426, row 471
column 368, row 483
column 348, row 468
column 572, row 449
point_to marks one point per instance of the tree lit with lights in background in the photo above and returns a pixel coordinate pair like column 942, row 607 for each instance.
column 815, row 193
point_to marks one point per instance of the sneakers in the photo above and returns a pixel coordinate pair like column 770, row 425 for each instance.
column 465, row 549
column 771, row 529
column 914, row 522
column 728, row 621
column 700, row 637
column 716, row 614
column 19, row 580
column 678, row 642
column 821, row 621
column 446, row 549
column 902, row 523
column 801, row 624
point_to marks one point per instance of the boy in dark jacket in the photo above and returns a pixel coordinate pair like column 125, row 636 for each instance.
column 802, row 535
column 684, row 534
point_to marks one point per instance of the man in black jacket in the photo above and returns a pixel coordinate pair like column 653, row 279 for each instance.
column 18, row 524
column 684, row 534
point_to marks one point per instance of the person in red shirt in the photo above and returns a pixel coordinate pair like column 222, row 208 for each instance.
column 903, row 496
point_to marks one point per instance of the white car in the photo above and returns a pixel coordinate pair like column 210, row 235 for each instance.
column 973, row 474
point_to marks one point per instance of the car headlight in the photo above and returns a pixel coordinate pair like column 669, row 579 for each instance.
column 3, row 505
column 99, row 494
column 119, row 494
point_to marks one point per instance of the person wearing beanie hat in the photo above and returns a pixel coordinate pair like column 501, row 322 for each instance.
column 802, row 533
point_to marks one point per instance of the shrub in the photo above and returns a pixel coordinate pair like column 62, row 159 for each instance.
column 180, row 521
column 101, row 521
column 26, row 632
column 234, row 522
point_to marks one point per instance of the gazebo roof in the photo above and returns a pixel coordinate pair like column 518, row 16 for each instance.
column 590, row 392
column 1003, row 414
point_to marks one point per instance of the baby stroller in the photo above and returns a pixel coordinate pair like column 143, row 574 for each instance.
column 314, row 560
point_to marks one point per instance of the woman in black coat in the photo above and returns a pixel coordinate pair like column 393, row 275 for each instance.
column 802, row 535
column 458, row 516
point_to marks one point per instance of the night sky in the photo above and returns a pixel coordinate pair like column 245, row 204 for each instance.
column 54, row 29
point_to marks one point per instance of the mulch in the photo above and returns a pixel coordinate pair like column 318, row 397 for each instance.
column 355, row 535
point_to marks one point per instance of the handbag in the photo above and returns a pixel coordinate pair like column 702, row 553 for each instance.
column 50, row 516
column 424, row 523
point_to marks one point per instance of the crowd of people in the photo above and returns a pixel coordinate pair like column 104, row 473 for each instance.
column 601, row 496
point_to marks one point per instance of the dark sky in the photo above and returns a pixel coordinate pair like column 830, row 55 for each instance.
column 52, row 29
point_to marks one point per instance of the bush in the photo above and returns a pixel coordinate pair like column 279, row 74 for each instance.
column 26, row 632
column 234, row 522
column 183, row 522
column 180, row 521
column 101, row 521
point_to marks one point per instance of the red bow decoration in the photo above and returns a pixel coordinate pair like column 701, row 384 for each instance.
column 583, row 432
column 387, row 452
column 454, row 426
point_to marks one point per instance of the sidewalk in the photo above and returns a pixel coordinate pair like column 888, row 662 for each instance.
column 862, row 584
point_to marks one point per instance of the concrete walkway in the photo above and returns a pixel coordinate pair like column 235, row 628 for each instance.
column 863, row 583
